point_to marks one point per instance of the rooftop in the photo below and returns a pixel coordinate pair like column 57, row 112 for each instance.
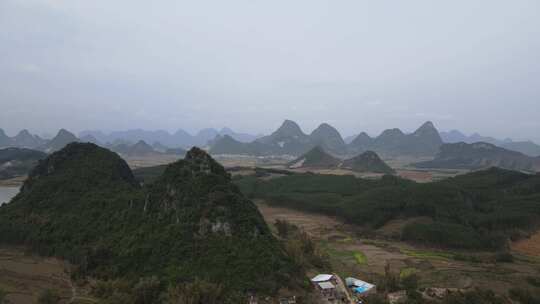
column 326, row 285
column 322, row 278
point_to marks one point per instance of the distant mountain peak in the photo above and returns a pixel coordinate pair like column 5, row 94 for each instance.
column 328, row 137
column 24, row 132
column 427, row 128
column 315, row 158
column 368, row 161
column 392, row 132
column 291, row 128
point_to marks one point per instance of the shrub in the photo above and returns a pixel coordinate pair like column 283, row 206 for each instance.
column 49, row 296
column 504, row 257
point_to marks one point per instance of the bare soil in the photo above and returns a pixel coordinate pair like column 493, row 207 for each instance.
column 24, row 276
column 529, row 246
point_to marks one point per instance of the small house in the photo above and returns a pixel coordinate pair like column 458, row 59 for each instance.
column 327, row 289
column 324, row 278
column 359, row 287
column 326, row 284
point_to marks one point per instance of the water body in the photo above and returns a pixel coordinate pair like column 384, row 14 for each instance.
column 7, row 193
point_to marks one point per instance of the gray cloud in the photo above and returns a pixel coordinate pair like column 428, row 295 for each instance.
column 360, row 65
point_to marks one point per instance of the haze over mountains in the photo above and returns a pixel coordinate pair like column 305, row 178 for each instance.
column 180, row 138
column 288, row 139
column 526, row 147
column 480, row 155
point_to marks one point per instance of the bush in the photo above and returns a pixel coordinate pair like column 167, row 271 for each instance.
column 504, row 257
column 3, row 295
column 49, row 296
column 524, row 296
column 477, row 296
column 198, row 291
column 147, row 290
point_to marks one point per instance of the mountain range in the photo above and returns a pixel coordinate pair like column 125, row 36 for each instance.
column 526, row 147
column 317, row 158
column 180, row 138
column 23, row 139
column 289, row 139
column 480, row 155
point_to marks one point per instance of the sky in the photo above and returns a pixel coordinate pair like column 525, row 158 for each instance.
column 248, row 65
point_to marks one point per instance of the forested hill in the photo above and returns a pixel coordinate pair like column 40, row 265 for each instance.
column 483, row 209
column 82, row 203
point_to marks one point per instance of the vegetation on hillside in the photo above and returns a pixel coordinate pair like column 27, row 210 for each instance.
column 84, row 204
column 368, row 161
column 315, row 158
column 480, row 210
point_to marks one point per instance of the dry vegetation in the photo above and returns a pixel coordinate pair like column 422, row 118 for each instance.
column 23, row 277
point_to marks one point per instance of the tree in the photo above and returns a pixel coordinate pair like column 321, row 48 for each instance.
column 3, row 295
column 197, row 292
column 147, row 290
column 49, row 296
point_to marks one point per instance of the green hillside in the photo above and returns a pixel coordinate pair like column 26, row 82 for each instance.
column 316, row 158
column 368, row 161
column 474, row 211
column 480, row 155
column 84, row 204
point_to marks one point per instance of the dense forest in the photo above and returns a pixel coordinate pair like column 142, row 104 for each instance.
column 479, row 210
column 191, row 226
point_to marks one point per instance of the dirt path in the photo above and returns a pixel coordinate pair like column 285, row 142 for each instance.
column 341, row 286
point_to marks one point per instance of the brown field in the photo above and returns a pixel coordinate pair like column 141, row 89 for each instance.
column 13, row 182
column 529, row 246
column 23, row 276
column 417, row 176
column 150, row 161
column 436, row 268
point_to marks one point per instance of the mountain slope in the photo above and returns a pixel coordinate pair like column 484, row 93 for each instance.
column 368, row 161
column 328, row 138
column 526, row 147
column 61, row 139
column 26, row 140
column 316, row 158
column 83, row 203
column 480, row 155
column 425, row 141
column 228, row 145
column 288, row 139
column 5, row 141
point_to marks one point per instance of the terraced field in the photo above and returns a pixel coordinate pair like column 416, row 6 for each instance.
column 351, row 254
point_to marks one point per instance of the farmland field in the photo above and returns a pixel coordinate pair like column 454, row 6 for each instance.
column 351, row 254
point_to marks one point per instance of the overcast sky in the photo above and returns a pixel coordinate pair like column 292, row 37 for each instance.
column 358, row 65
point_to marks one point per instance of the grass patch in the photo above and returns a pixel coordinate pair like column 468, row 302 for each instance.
column 360, row 258
column 343, row 256
column 346, row 240
column 428, row 254
column 405, row 272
